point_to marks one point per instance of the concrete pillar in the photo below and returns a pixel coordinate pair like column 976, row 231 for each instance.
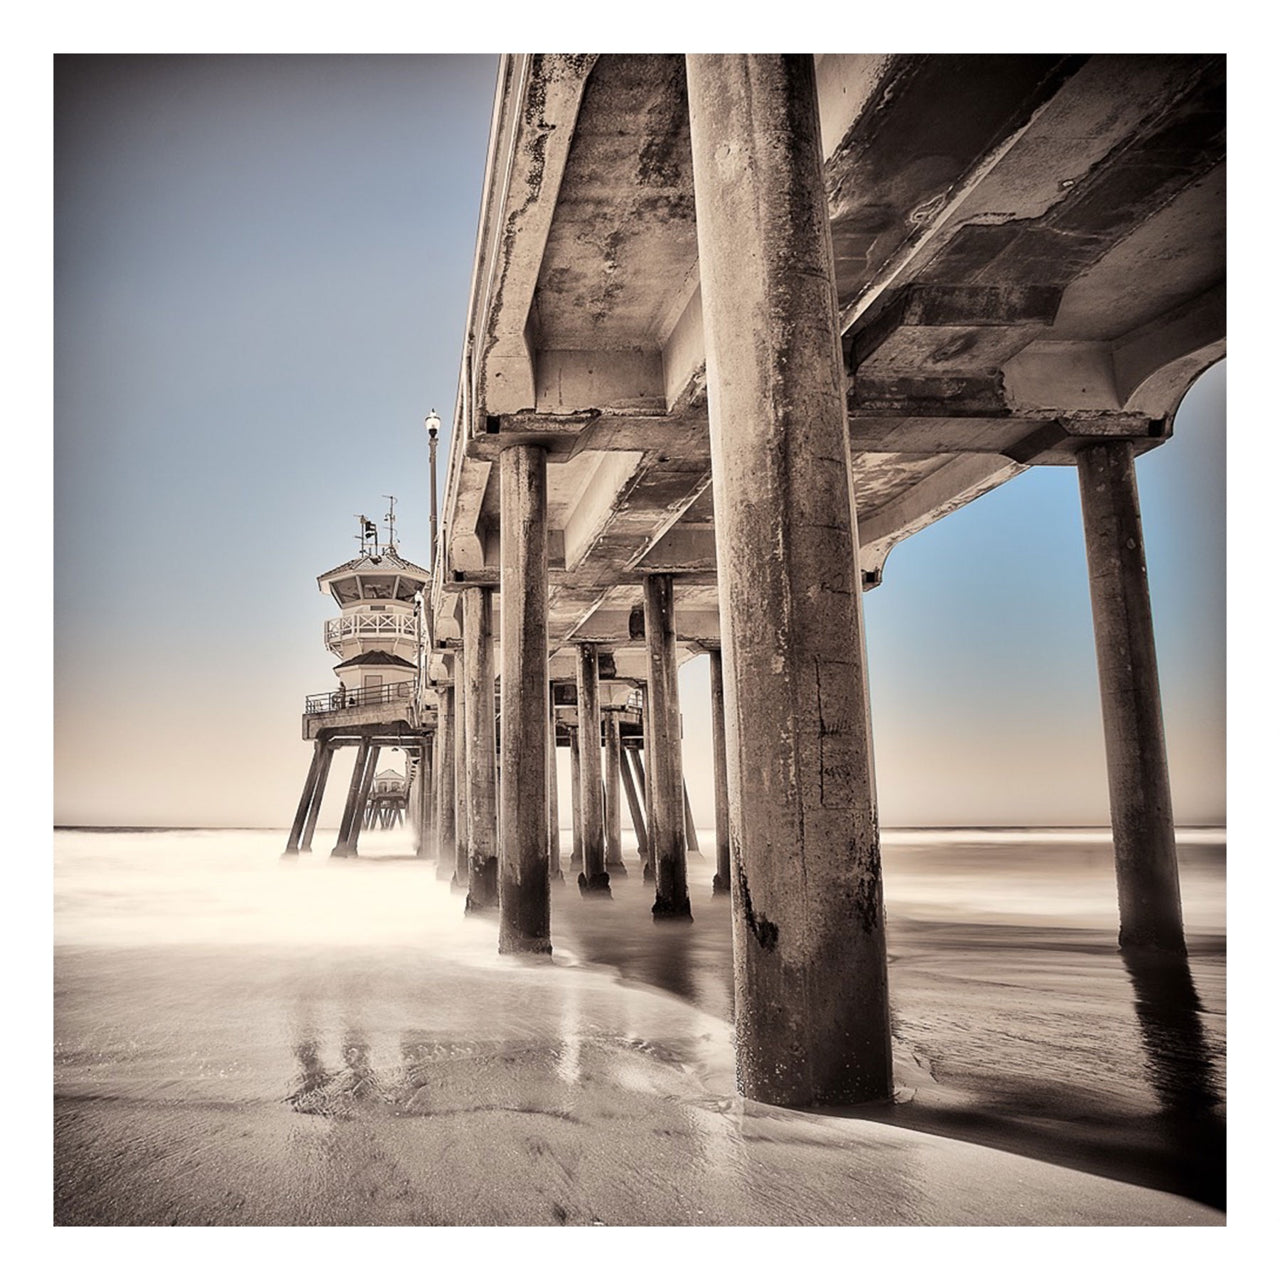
column 690, row 827
column 575, row 790
column 461, row 835
column 613, row 795
column 366, row 785
column 666, row 770
column 343, row 846
column 593, row 877
column 426, row 795
column 553, row 795
column 811, row 992
column 637, row 763
column 633, row 803
column 524, row 872
column 446, row 828
column 317, row 798
column 721, row 779
column 482, row 750
column 1133, row 727
column 307, row 800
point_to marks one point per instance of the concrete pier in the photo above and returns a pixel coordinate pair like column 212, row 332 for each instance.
column 690, row 826
column 553, row 800
column 629, row 786
column 807, row 896
column 858, row 308
column 593, row 878
column 613, row 795
column 720, row 775
column 666, row 770
column 461, row 831
column 482, row 747
column 423, row 801
column 524, row 865
column 317, row 799
column 1133, row 727
column 351, row 809
column 446, row 748
column 307, row 800
column 575, row 793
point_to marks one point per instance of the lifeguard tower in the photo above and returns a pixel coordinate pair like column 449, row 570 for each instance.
column 381, row 699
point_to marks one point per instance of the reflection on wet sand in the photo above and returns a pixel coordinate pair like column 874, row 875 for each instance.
column 1020, row 1033
column 1179, row 1065
column 260, row 1039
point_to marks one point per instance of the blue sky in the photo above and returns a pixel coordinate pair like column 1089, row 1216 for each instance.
column 262, row 267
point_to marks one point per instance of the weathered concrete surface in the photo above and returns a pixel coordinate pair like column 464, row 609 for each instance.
column 553, row 800
column 482, row 748
column 446, row 828
column 613, row 795
column 1137, row 764
column 575, row 793
column 1030, row 254
column 461, row 832
column 593, row 878
column 306, row 802
column 666, row 765
column 352, row 808
column 633, row 804
column 1028, row 261
column 309, row 830
column 720, row 775
column 811, row 999
column 524, row 871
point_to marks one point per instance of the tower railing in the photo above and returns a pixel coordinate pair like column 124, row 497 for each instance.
column 364, row 626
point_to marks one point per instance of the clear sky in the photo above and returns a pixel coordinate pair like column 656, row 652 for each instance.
column 262, row 267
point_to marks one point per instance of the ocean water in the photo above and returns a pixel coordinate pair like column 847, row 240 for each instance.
column 246, row 1038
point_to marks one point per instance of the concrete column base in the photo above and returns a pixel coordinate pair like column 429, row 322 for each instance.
column 597, row 884
column 664, row 910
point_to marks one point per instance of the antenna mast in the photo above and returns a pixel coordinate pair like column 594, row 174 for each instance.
column 391, row 523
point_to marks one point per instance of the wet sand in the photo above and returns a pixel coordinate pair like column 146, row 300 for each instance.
column 282, row 1061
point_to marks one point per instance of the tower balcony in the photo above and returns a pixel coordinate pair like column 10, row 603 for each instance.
column 395, row 632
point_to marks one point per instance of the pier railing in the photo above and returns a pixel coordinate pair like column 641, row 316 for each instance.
column 338, row 700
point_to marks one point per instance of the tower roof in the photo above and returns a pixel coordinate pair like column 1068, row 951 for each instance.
column 387, row 562
column 375, row 658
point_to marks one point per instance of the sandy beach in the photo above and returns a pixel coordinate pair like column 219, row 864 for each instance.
column 244, row 1040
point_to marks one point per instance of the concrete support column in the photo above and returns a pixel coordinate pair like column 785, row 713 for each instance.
column 690, row 826
column 524, row 879
column 637, row 763
column 811, row 992
column 307, row 800
column 666, row 768
column 343, row 846
column 575, row 791
column 317, row 799
column 721, row 777
column 426, row 796
column 461, row 833
column 553, row 796
column 1133, row 727
column 366, row 785
column 482, row 750
column 593, row 877
column 613, row 795
column 446, row 828
column 626, row 759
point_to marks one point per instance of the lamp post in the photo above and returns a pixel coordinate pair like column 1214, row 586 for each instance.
column 433, row 434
